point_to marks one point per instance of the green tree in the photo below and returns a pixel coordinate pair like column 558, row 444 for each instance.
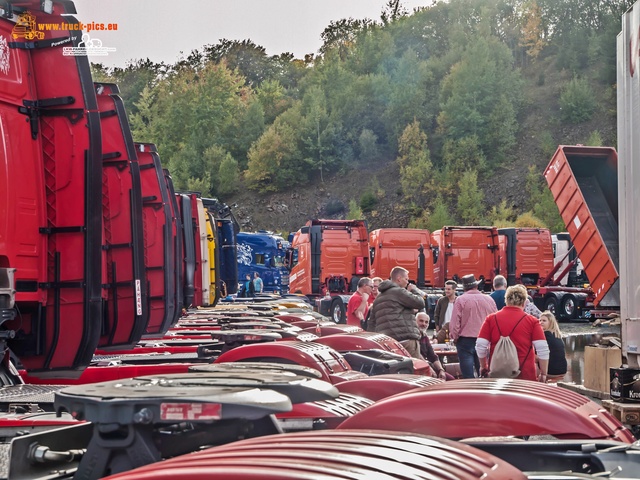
column 142, row 121
column 413, row 159
column 355, row 212
column 501, row 215
column 228, row 176
column 197, row 109
column 274, row 160
column 463, row 154
column 577, row 101
column 249, row 59
column 441, row 215
column 595, row 139
column 547, row 211
column 273, row 98
column 541, row 204
column 340, row 35
column 482, row 79
column 470, row 199
column 368, row 148
column 501, row 136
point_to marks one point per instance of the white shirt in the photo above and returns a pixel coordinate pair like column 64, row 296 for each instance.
column 447, row 314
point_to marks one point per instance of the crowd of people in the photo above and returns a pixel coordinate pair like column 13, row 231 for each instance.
column 473, row 321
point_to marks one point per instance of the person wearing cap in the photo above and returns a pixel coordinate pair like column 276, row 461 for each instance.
column 393, row 311
column 469, row 312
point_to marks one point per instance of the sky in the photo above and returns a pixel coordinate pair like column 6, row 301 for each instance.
column 166, row 30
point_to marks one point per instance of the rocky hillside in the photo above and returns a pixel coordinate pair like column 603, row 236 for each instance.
column 541, row 131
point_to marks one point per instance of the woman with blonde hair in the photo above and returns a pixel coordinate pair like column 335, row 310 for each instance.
column 557, row 356
column 525, row 333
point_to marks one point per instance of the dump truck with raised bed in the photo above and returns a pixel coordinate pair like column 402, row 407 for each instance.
column 584, row 184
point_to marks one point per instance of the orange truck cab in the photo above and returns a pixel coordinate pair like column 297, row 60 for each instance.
column 526, row 255
column 404, row 247
column 459, row 251
column 326, row 259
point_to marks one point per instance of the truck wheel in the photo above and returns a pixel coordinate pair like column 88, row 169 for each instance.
column 338, row 311
column 569, row 306
column 551, row 304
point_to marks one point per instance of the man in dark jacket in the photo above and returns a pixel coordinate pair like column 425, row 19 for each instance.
column 444, row 309
column 393, row 311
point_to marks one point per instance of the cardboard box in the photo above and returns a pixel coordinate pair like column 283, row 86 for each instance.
column 624, row 385
column 597, row 362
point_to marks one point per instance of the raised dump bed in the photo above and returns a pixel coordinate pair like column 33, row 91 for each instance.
column 584, row 184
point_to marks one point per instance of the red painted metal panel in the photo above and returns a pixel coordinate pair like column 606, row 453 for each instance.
column 127, row 311
column 501, row 407
column 107, row 373
column 465, row 250
column 158, row 240
column 320, row 357
column 333, row 454
column 383, row 386
column 61, row 118
column 392, row 247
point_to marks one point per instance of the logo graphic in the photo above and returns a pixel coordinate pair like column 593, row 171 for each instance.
column 244, row 254
column 88, row 46
column 25, row 28
column 4, row 55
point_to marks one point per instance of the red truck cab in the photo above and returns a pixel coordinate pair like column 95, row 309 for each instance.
column 326, row 259
column 526, row 255
column 404, row 247
column 459, row 251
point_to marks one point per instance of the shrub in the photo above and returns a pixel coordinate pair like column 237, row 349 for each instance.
column 334, row 207
column 595, row 139
column 228, row 176
column 547, row 144
column 528, row 220
column 355, row 213
column 577, row 101
column 368, row 146
column 368, row 201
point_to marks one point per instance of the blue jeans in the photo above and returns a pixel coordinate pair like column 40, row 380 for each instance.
column 469, row 363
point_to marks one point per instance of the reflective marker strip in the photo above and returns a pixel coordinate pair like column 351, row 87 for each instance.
column 190, row 411
column 138, row 298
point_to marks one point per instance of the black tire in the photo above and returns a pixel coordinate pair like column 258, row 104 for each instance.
column 569, row 307
column 551, row 304
column 338, row 311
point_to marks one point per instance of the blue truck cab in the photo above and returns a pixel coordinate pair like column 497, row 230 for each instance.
column 264, row 252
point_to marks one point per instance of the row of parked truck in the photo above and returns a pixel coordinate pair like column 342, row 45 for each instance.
column 96, row 247
column 573, row 274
